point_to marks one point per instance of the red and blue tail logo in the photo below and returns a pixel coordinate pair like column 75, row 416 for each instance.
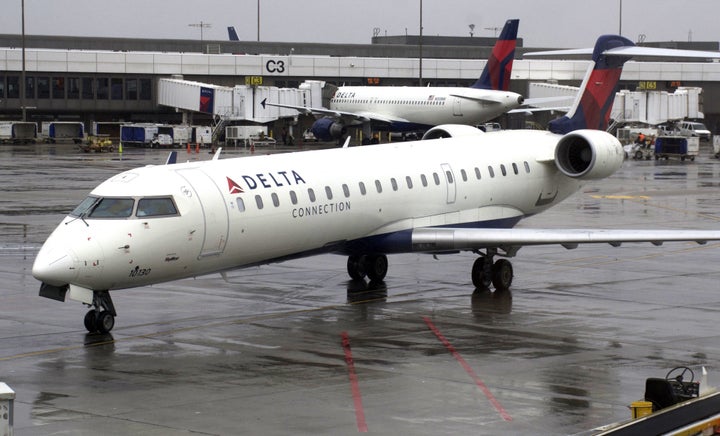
column 496, row 74
column 592, row 111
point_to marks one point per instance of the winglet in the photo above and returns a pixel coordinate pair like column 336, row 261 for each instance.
column 347, row 142
column 591, row 109
column 172, row 158
column 496, row 74
column 216, row 156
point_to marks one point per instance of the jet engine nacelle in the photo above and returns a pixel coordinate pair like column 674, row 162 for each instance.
column 451, row 131
column 588, row 154
column 327, row 129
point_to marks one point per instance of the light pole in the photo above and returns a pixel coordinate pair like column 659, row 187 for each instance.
column 420, row 42
column 22, row 76
column 202, row 26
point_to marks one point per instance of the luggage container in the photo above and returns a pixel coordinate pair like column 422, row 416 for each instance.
column 53, row 131
column 676, row 146
column 140, row 135
column 18, row 132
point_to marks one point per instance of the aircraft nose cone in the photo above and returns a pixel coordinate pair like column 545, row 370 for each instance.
column 55, row 266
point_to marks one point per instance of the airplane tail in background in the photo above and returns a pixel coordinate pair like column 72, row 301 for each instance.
column 232, row 34
column 496, row 74
column 591, row 109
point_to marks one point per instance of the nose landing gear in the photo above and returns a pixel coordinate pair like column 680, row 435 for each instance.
column 101, row 318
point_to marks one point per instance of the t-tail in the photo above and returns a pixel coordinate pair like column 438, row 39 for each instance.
column 591, row 109
column 496, row 74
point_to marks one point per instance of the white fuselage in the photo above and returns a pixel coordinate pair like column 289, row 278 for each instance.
column 302, row 203
column 426, row 106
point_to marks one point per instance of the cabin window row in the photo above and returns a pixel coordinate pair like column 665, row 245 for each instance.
column 407, row 102
column 378, row 185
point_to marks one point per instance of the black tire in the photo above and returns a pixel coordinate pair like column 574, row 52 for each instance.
column 356, row 267
column 376, row 267
column 105, row 322
column 90, row 321
column 478, row 274
column 638, row 155
column 502, row 274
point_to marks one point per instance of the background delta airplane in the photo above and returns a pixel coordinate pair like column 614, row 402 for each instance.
column 418, row 108
column 459, row 189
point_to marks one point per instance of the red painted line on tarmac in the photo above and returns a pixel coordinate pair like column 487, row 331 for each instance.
column 503, row 413
column 357, row 398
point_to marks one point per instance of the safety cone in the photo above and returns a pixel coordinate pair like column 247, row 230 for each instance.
column 188, row 148
column 197, row 148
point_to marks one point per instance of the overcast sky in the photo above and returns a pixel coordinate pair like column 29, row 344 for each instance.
column 543, row 23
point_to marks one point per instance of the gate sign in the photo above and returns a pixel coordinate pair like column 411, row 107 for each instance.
column 207, row 97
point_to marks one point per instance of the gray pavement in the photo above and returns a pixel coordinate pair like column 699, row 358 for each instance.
column 296, row 348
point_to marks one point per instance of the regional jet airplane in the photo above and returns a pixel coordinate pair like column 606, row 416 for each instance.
column 459, row 189
column 413, row 108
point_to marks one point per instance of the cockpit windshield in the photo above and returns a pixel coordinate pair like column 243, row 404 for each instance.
column 124, row 207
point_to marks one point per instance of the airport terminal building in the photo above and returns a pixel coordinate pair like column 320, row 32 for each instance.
column 116, row 79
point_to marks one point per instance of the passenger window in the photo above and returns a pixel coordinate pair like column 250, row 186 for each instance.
column 378, row 186
column 363, row 191
column 394, row 184
column 463, row 174
column 275, row 199
column 346, row 190
column 113, row 208
column 259, row 202
column 527, row 167
column 515, row 168
column 163, row 206
column 436, row 178
column 491, row 171
column 293, row 197
column 449, row 176
column 477, row 173
column 240, row 204
column 423, row 179
column 409, row 182
column 328, row 192
column 311, row 194
column 502, row 169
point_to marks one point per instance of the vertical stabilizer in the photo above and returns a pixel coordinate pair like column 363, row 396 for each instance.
column 232, row 34
column 496, row 74
column 591, row 109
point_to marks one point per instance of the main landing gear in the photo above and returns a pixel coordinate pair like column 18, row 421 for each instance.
column 485, row 271
column 101, row 318
column 374, row 266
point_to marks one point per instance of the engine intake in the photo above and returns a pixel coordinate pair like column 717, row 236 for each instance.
column 327, row 129
column 588, row 154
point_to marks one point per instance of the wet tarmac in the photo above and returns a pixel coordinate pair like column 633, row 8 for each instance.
column 296, row 348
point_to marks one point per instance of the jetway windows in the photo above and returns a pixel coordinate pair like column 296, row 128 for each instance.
column 73, row 90
column 131, row 89
column 102, row 88
column 58, row 88
column 87, row 88
column 116, row 88
column 13, row 87
column 43, row 87
column 30, row 87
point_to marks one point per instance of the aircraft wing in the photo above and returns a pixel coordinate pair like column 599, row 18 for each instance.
column 362, row 117
column 435, row 239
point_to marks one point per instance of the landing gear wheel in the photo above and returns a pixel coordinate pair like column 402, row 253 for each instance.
column 356, row 267
column 90, row 321
column 376, row 267
column 479, row 278
column 105, row 322
column 502, row 274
